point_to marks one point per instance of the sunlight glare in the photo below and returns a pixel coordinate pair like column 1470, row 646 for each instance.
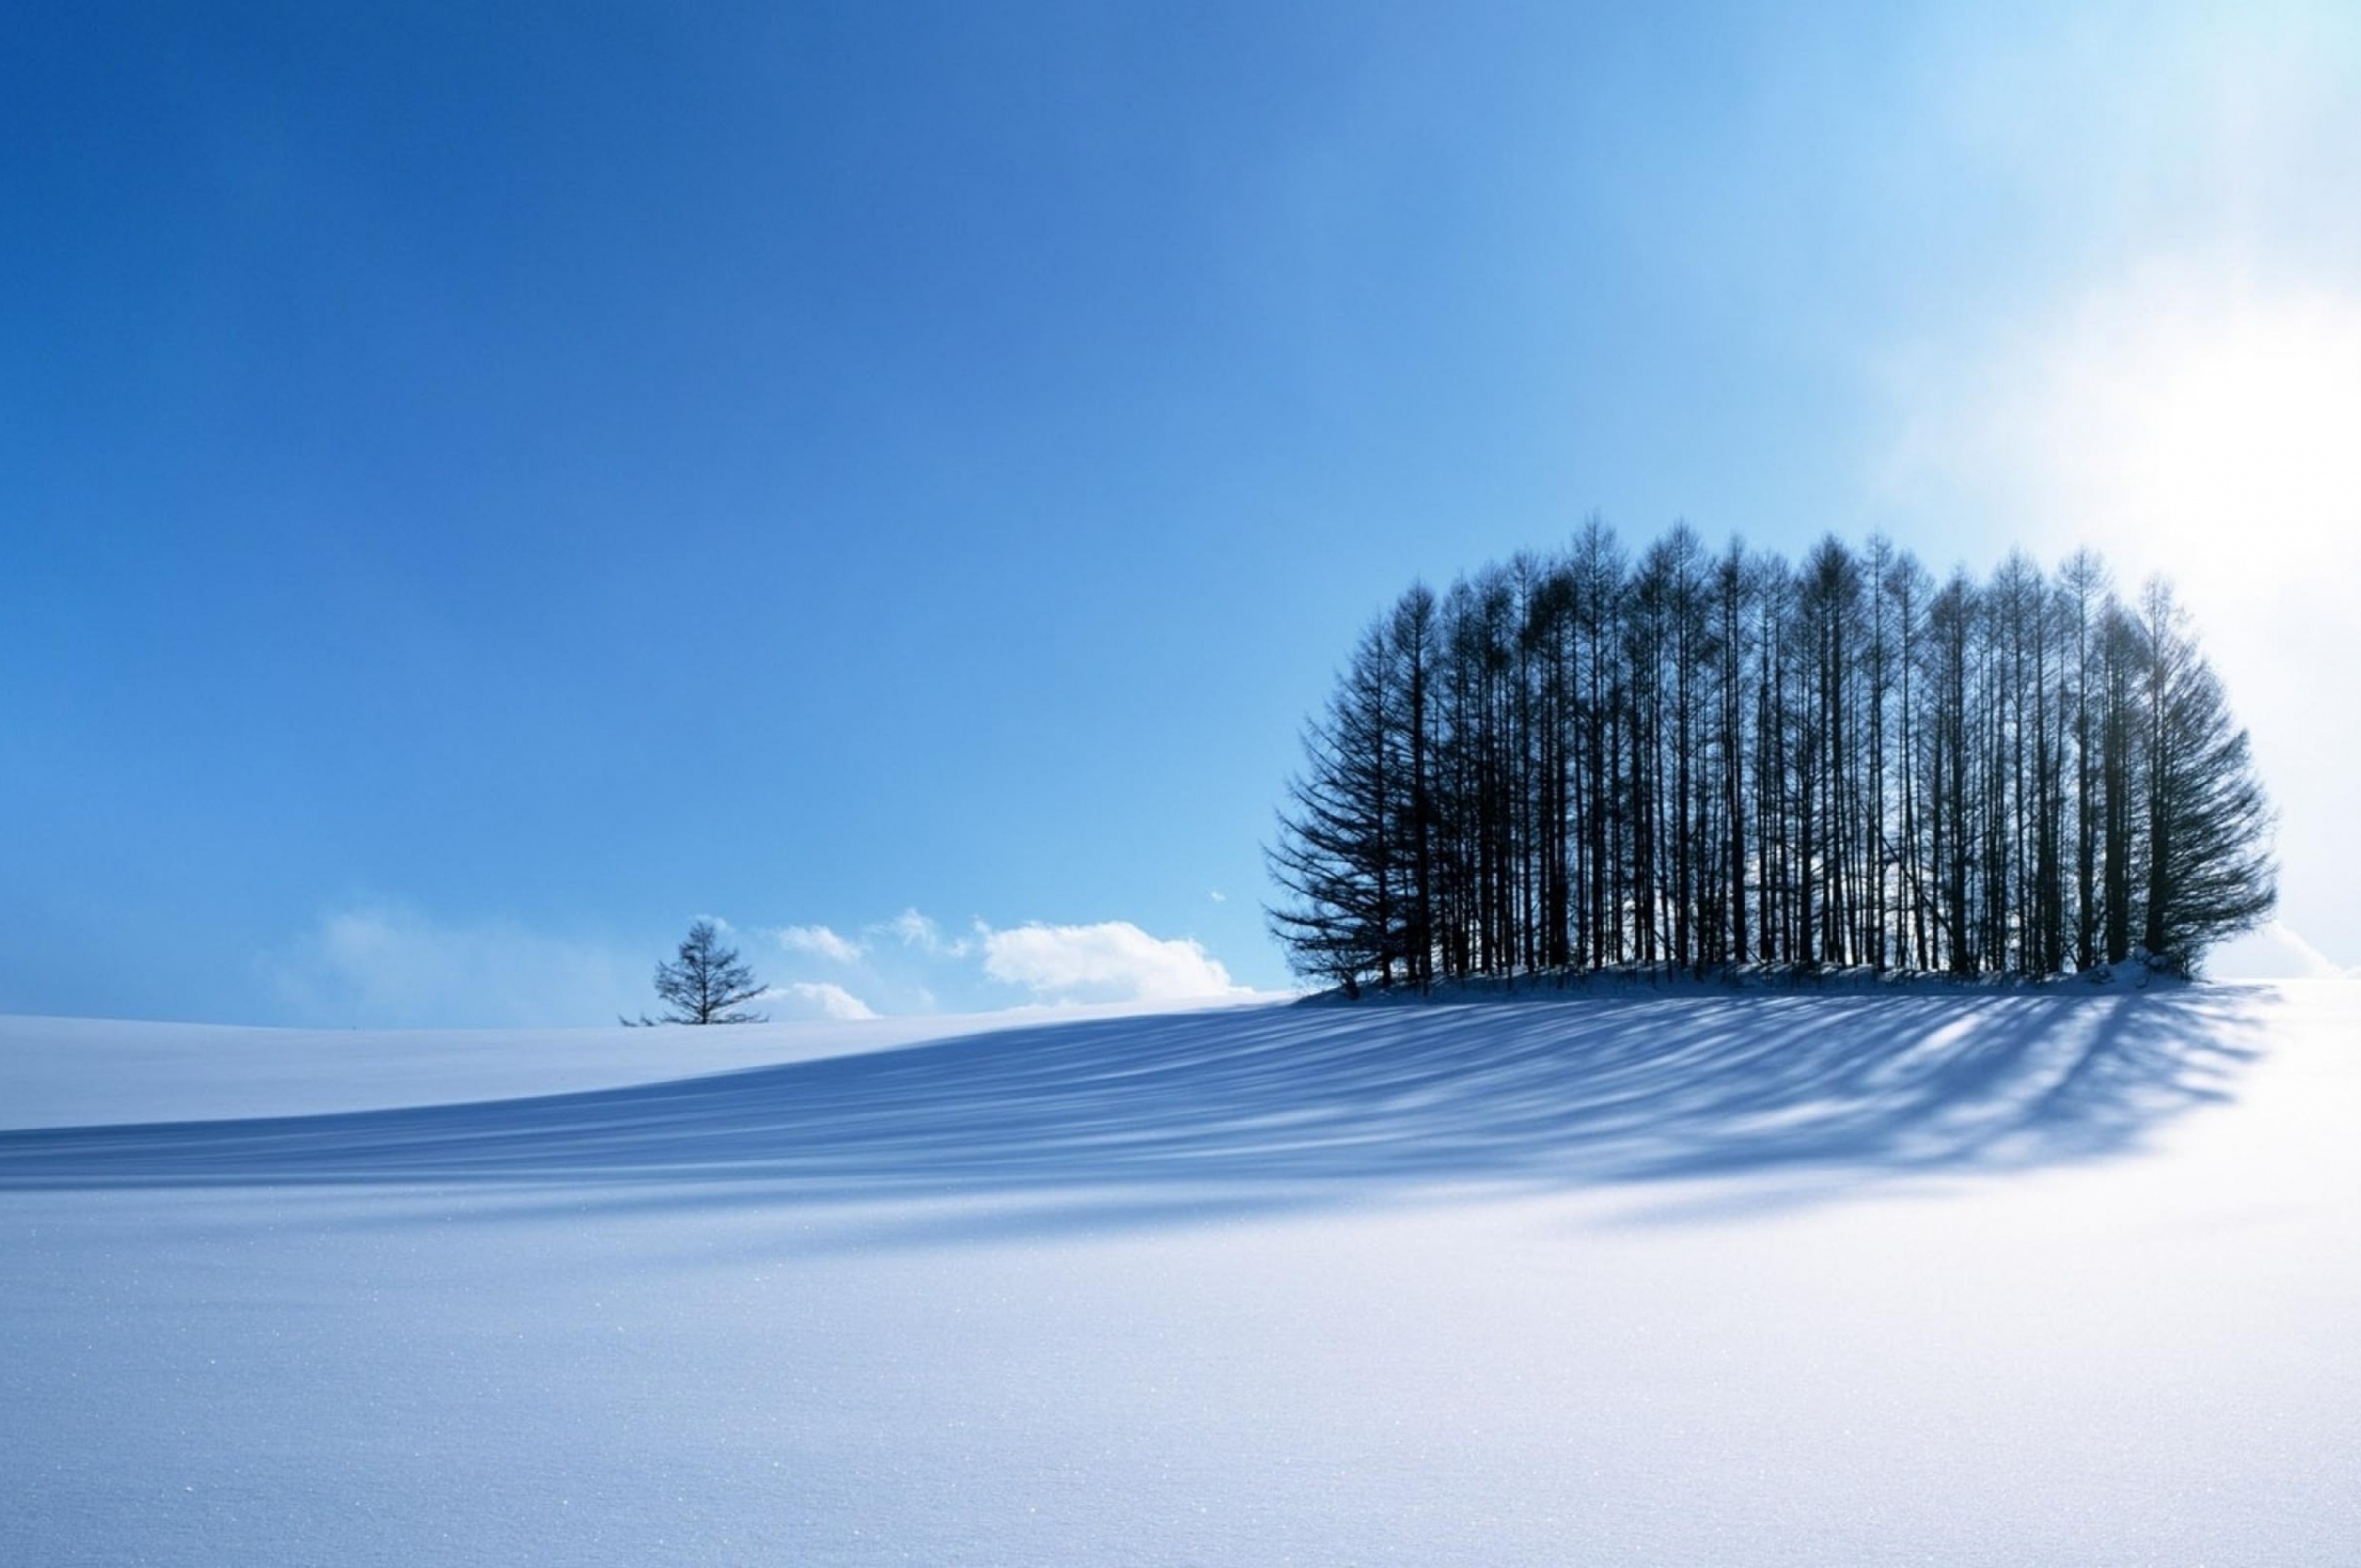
column 2222, row 447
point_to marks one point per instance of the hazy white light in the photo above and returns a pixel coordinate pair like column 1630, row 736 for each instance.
column 2218, row 441
column 2187, row 423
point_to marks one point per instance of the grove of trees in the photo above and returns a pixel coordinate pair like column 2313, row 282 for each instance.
column 1702, row 760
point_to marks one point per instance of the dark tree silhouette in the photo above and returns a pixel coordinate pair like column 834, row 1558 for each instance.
column 706, row 984
column 2209, row 869
column 1684, row 760
column 1336, row 862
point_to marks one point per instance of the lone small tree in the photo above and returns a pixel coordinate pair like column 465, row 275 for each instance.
column 706, row 984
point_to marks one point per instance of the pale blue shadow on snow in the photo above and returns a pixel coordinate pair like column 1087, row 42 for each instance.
column 1141, row 1120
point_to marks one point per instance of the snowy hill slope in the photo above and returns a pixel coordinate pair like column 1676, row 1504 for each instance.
column 1283, row 1103
column 68, row 1072
column 1777, row 1280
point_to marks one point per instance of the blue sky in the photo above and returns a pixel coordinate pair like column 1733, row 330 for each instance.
column 480, row 487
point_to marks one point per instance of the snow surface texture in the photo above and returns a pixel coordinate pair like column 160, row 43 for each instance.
column 2015, row 1279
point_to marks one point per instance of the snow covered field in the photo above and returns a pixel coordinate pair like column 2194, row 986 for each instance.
column 2010, row 1278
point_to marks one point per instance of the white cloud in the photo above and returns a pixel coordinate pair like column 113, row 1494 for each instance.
column 389, row 964
column 821, row 943
column 916, row 930
column 820, row 999
column 1112, row 961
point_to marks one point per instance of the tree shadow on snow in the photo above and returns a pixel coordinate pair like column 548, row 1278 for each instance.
column 1151, row 1119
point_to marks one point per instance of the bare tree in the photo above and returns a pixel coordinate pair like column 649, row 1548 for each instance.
column 706, row 984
